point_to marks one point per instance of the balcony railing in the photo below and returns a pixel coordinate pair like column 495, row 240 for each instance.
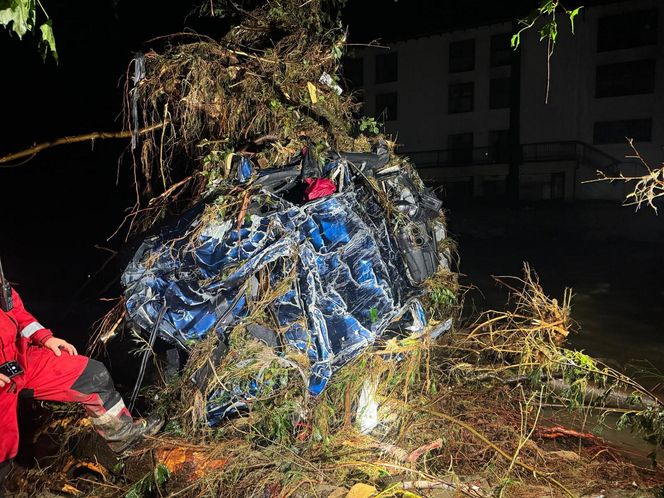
column 458, row 157
column 549, row 151
column 533, row 152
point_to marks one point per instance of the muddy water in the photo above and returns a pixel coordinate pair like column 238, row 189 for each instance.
column 618, row 302
column 618, row 289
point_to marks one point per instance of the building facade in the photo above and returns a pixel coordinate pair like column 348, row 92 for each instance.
column 464, row 106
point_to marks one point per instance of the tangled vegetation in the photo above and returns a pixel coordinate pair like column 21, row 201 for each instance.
column 269, row 88
column 469, row 412
column 647, row 189
column 465, row 412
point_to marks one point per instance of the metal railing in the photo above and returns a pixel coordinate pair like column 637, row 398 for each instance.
column 596, row 158
column 549, row 151
column 533, row 152
column 458, row 157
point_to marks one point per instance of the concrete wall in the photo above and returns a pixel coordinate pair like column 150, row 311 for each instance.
column 424, row 122
column 423, row 119
column 573, row 109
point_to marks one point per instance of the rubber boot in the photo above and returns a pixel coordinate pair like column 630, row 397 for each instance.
column 122, row 432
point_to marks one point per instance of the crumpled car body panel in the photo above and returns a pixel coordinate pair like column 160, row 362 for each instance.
column 347, row 282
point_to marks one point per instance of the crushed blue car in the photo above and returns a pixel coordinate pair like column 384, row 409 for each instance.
column 352, row 263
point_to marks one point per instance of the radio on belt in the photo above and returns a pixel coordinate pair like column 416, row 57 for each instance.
column 11, row 369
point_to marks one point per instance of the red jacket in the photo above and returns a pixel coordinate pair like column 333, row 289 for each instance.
column 18, row 330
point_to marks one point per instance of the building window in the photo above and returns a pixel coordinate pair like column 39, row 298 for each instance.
column 499, row 145
column 386, row 106
column 354, row 71
column 499, row 93
column 461, row 98
column 617, row 132
column 387, row 68
column 634, row 29
column 625, row 78
column 501, row 50
column 460, row 147
column 462, row 56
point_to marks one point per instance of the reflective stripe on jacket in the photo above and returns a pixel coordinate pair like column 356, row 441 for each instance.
column 18, row 329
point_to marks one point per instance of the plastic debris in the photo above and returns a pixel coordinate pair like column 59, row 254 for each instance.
column 318, row 187
column 326, row 79
column 137, row 77
column 367, row 408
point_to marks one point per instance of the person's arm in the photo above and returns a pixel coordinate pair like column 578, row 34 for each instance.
column 35, row 332
column 28, row 326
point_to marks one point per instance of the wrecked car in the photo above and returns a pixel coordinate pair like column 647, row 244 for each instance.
column 347, row 240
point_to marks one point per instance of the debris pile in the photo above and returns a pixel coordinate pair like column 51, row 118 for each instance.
column 288, row 228
column 300, row 275
column 316, row 279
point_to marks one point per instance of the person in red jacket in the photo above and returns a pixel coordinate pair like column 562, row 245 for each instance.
column 54, row 371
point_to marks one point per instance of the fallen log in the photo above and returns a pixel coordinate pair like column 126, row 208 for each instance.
column 614, row 398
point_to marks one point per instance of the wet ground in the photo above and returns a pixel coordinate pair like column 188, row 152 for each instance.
column 618, row 297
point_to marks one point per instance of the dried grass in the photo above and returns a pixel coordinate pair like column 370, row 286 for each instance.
column 469, row 405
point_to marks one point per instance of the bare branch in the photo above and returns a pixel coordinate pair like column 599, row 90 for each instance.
column 646, row 188
column 33, row 151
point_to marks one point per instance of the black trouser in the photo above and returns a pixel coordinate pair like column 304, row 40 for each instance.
column 5, row 467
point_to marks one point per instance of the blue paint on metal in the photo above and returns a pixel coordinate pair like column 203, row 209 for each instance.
column 350, row 286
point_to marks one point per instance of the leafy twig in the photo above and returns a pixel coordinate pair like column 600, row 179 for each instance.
column 548, row 31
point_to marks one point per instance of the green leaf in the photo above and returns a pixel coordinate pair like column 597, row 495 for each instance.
column 373, row 315
column 384, row 473
column 369, row 124
column 548, row 6
column 20, row 14
column 161, row 474
column 549, row 31
column 572, row 14
column 515, row 41
column 134, row 492
column 275, row 104
column 47, row 43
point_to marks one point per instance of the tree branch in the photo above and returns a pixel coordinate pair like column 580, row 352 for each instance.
column 32, row 151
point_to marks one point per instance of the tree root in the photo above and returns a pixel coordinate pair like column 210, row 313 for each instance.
column 501, row 452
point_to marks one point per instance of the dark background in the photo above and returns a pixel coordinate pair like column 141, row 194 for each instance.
column 58, row 206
